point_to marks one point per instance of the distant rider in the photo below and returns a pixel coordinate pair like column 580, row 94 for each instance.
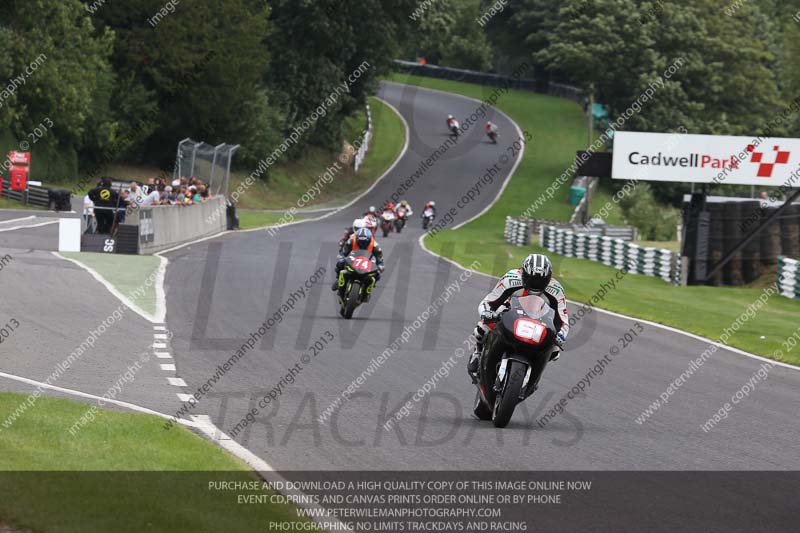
column 405, row 205
column 491, row 128
column 360, row 240
column 430, row 205
column 534, row 278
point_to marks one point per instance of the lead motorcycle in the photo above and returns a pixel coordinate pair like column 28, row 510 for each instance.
column 356, row 281
column 453, row 127
column 517, row 349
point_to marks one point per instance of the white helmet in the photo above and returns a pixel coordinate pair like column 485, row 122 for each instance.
column 449, row 117
column 432, row 203
column 372, row 210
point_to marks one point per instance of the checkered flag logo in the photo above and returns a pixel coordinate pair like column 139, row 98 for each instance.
column 765, row 169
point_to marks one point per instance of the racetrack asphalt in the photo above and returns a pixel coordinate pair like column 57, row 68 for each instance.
column 221, row 290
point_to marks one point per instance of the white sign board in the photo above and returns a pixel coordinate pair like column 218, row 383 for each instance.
column 766, row 161
column 69, row 235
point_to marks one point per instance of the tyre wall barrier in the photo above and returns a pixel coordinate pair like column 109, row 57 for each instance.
column 789, row 277
column 617, row 253
column 518, row 231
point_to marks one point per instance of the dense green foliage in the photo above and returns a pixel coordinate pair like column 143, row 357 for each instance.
column 734, row 64
column 125, row 81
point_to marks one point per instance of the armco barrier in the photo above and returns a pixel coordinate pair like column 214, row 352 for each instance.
column 364, row 146
column 165, row 226
column 617, row 253
column 494, row 80
column 789, row 277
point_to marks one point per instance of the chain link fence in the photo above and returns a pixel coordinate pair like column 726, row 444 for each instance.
column 211, row 164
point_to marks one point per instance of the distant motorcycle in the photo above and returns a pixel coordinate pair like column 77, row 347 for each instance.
column 371, row 223
column 517, row 349
column 453, row 127
column 356, row 281
column 492, row 136
column 401, row 218
column 387, row 222
column 427, row 217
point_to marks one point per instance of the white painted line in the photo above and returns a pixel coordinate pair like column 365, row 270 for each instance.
column 161, row 297
column 167, row 366
column 30, row 226
column 178, row 382
column 184, row 397
column 631, row 318
column 160, row 336
column 159, row 328
column 159, row 345
column 16, row 219
column 204, row 424
column 113, row 290
column 73, row 392
column 163, row 355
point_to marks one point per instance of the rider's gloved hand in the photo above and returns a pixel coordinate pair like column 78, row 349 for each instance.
column 561, row 338
column 489, row 315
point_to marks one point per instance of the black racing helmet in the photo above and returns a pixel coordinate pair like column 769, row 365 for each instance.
column 537, row 271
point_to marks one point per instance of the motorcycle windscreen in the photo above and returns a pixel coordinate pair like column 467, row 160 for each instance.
column 534, row 306
column 361, row 261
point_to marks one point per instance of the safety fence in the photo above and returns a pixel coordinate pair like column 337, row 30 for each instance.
column 617, row 253
column 519, row 231
column 361, row 153
column 788, row 277
column 494, row 80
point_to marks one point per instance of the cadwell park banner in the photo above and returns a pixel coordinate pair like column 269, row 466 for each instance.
column 765, row 161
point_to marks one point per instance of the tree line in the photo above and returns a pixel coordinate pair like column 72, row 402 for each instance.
column 125, row 81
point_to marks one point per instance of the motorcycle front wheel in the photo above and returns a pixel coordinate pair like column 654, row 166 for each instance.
column 351, row 299
column 508, row 398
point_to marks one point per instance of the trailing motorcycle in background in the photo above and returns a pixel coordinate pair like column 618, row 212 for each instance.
column 452, row 125
column 517, row 349
column 427, row 217
column 371, row 223
column 387, row 222
column 492, row 136
column 356, row 281
column 401, row 218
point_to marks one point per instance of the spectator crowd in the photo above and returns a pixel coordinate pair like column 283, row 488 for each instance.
column 104, row 207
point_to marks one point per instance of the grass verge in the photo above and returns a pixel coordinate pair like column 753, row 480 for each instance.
column 127, row 273
column 289, row 181
column 557, row 126
column 122, row 472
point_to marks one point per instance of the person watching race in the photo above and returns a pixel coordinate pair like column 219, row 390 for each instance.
column 360, row 240
column 534, row 278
